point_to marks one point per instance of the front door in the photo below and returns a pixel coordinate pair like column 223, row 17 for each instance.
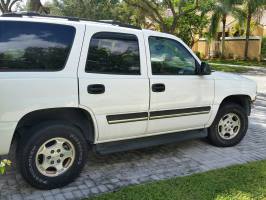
column 113, row 82
column 180, row 99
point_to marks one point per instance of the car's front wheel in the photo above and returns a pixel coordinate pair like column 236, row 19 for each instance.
column 52, row 155
column 229, row 127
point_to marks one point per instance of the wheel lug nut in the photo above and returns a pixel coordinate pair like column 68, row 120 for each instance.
column 58, row 161
column 61, row 155
column 52, row 162
column 58, row 150
column 52, row 151
column 49, row 157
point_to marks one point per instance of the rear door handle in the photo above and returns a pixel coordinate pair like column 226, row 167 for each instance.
column 158, row 87
column 96, row 89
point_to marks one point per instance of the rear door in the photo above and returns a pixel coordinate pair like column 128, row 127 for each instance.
column 113, row 82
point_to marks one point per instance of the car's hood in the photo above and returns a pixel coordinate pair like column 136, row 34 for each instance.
column 228, row 76
column 234, row 84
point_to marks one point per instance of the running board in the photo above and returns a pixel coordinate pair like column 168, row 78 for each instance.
column 139, row 143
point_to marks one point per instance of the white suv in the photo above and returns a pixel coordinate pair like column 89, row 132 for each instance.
column 68, row 84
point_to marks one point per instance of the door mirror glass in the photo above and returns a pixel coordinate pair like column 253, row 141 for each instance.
column 205, row 69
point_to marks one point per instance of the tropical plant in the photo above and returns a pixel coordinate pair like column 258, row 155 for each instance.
column 220, row 11
column 7, row 5
column 3, row 165
column 156, row 10
column 89, row 9
column 185, row 19
column 128, row 14
column 192, row 25
column 252, row 8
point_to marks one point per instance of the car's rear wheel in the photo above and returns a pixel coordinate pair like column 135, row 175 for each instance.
column 51, row 155
column 229, row 127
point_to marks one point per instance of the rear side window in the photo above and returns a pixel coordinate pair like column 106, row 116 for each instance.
column 113, row 53
column 30, row 46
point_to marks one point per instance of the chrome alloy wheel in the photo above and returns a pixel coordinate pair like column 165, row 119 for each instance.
column 55, row 157
column 229, row 126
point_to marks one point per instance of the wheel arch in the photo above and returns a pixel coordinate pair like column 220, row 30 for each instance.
column 243, row 100
column 78, row 117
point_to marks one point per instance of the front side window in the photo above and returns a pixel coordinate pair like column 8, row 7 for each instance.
column 30, row 46
column 113, row 53
column 169, row 57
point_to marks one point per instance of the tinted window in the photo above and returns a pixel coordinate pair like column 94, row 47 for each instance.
column 28, row 46
column 169, row 57
column 113, row 53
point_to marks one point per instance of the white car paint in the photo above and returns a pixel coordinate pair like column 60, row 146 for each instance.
column 25, row 92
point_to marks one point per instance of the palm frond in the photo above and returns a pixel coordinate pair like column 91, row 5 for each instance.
column 239, row 15
column 215, row 21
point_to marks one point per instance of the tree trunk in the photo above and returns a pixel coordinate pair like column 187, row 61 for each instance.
column 223, row 36
column 247, row 34
column 36, row 6
column 209, row 49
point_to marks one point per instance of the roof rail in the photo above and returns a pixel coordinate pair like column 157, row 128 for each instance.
column 35, row 14
column 115, row 23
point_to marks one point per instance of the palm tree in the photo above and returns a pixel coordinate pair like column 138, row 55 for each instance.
column 221, row 9
column 251, row 8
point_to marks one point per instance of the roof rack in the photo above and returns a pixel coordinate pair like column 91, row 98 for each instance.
column 35, row 14
column 115, row 23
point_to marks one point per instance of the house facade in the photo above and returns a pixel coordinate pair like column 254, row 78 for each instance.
column 234, row 41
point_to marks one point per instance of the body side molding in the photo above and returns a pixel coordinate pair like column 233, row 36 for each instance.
column 142, row 116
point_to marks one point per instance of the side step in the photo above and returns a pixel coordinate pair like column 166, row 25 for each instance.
column 125, row 145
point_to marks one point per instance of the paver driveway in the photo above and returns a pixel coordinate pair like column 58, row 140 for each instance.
column 107, row 173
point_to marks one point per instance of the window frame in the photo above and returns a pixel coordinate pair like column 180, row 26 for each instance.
column 113, row 35
column 39, row 70
column 197, row 64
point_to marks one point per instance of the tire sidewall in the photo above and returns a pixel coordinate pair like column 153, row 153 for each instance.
column 37, row 137
column 214, row 135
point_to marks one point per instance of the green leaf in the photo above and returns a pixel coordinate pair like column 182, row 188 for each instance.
column 2, row 170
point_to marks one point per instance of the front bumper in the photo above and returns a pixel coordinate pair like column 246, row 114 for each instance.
column 7, row 130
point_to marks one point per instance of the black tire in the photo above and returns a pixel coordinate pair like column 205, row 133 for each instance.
column 213, row 134
column 37, row 136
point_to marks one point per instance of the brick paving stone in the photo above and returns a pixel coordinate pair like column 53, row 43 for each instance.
column 59, row 197
column 17, row 197
column 111, row 172
column 77, row 194
column 48, row 198
column 95, row 190
column 68, row 195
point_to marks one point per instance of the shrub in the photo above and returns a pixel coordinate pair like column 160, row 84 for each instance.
column 198, row 54
column 3, row 165
column 230, row 56
column 263, row 48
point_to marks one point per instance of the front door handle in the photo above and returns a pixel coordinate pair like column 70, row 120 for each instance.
column 96, row 89
column 158, row 87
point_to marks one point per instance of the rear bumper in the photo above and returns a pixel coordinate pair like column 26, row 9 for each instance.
column 7, row 130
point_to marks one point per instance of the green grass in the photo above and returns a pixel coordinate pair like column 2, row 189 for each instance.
column 230, row 69
column 240, row 62
column 241, row 182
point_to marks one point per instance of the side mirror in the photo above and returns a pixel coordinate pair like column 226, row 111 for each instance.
column 204, row 69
